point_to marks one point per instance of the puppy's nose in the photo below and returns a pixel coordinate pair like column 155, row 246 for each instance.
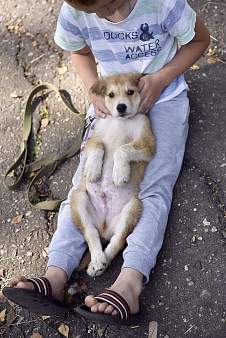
column 121, row 107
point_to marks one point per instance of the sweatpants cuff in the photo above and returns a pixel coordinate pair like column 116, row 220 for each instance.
column 140, row 262
column 63, row 261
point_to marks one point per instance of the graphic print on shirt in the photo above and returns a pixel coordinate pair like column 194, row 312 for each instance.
column 144, row 44
column 145, row 36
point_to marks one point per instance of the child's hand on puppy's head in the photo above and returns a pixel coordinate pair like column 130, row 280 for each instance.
column 101, row 111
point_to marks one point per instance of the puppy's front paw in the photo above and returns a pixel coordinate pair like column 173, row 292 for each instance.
column 97, row 265
column 92, row 171
column 121, row 175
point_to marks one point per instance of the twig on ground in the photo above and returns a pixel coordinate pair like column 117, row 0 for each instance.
column 213, row 38
column 104, row 330
column 189, row 329
column 216, row 3
column 224, row 62
column 49, row 325
column 39, row 57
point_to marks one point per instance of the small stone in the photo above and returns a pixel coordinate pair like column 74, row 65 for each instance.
column 14, row 252
column 205, row 294
column 214, row 229
column 198, row 265
column 28, row 213
column 205, row 222
column 29, row 254
column 36, row 257
column 71, row 291
column 191, row 283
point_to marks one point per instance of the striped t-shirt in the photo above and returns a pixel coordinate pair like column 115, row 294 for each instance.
column 145, row 41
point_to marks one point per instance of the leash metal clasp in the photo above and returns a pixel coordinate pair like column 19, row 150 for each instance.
column 89, row 120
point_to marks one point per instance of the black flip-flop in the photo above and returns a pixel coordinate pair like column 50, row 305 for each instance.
column 124, row 316
column 39, row 300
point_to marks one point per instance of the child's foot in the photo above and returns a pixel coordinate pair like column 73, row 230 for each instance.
column 56, row 276
column 128, row 285
column 46, row 299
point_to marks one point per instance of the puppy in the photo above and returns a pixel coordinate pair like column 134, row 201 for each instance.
column 106, row 203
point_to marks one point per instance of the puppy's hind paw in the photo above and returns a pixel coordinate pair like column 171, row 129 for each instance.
column 93, row 173
column 98, row 267
column 121, row 176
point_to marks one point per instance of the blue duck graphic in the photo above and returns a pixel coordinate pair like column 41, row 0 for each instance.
column 145, row 36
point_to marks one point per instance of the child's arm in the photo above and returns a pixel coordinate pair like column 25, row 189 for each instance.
column 85, row 64
column 151, row 86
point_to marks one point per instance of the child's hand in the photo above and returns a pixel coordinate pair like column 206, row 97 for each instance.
column 150, row 88
column 99, row 106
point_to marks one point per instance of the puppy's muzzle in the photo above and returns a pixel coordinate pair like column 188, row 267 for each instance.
column 121, row 108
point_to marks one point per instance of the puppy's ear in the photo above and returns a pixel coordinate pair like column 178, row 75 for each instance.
column 137, row 76
column 99, row 87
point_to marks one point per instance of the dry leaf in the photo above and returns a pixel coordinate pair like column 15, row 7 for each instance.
column 63, row 69
column 14, row 95
column 84, row 261
column 45, row 252
column 211, row 51
column 17, row 219
column 2, row 316
column 153, row 330
column 36, row 335
column 35, row 43
column 69, row 298
column 2, row 273
column 45, row 317
column 83, row 286
column 64, row 330
column 195, row 67
column 29, row 34
column 212, row 60
column 2, row 298
column 10, row 316
column 44, row 123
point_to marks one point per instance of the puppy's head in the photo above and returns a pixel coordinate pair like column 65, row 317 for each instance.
column 120, row 92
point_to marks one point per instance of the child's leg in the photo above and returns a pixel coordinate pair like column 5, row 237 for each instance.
column 170, row 127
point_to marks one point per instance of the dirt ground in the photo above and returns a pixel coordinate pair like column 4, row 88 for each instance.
column 186, row 294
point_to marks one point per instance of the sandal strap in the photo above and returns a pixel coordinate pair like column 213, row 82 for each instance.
column 117, row 301
column 41, row 285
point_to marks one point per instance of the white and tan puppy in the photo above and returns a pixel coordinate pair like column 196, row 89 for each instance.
column 106, row 204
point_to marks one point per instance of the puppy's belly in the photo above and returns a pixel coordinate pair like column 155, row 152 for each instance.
column 107, row 199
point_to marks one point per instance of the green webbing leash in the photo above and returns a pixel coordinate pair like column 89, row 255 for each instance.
column 47, row 165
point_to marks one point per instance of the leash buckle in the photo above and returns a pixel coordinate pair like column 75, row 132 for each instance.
column 89, row 120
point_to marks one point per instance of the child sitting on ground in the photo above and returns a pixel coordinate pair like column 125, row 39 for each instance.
column 124, row 35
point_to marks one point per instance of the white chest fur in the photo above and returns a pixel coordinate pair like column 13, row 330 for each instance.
column 114, row 132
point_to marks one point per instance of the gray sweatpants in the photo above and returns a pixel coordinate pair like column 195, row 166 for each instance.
column 170, row 126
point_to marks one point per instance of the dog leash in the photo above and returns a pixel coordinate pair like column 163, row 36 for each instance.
column 47, row 165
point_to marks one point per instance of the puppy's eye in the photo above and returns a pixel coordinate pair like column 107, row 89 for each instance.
column 130, row 92
column 111, row 95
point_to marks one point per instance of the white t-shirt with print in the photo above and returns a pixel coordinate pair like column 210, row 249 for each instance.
column 145, row 41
